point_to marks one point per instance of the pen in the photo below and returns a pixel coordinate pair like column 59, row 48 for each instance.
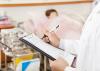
column 51, row 31
column 54, row 28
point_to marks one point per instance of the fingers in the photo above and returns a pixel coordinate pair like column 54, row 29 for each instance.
column 46, row 39
column 53, row 66
column 51, row 63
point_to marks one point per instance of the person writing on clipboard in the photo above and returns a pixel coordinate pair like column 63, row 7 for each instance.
column 63, row 26
column 87, row 47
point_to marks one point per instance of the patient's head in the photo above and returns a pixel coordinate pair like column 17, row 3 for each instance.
column 51, row 13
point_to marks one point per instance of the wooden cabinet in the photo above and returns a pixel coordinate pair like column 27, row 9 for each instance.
column 4, row 59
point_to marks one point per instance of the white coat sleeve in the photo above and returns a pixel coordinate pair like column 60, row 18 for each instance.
column 70, row 47
column 97, row 51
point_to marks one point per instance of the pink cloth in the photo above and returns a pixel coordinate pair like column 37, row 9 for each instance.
column 68, row 28
column 40, row 26
column 29, row 26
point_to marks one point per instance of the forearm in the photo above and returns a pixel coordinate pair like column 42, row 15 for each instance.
column 55, row 42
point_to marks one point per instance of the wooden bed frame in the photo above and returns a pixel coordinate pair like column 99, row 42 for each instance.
column 45, row 3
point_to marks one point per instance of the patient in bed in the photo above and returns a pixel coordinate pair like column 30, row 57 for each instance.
column 52, row 18
column 63, row 26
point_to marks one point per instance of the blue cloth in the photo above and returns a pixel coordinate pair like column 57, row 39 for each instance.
column 25, row 65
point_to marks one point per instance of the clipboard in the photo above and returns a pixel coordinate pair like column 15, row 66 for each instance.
column 39, row 45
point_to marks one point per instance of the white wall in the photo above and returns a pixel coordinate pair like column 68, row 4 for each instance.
column 22, row 13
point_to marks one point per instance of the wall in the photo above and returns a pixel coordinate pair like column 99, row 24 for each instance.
column 22, row 13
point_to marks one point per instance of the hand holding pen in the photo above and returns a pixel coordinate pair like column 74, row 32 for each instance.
column 52, row 30
column 51, row 37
